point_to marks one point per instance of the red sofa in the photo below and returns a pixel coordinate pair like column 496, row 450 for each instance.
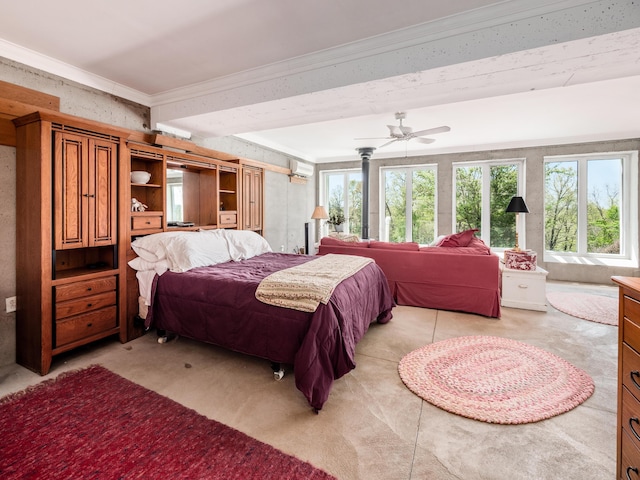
column 460, row 278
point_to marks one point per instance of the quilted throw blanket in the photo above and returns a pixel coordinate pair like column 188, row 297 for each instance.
column 304, row 286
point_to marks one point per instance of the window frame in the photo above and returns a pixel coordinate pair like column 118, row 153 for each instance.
column 628, row 256
column 485, row 227
column 409, row 170
column 324, row 194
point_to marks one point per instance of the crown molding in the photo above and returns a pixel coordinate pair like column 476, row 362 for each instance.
column 56, row 67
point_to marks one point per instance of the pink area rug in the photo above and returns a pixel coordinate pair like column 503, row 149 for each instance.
column 95, row 424
column 596, row 308
column 494, row 379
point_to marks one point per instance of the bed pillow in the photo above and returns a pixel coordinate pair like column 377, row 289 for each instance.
column 151, row 248
column 197, row 249
column 412, row 246
column 460, row 239
column 142, row 265
column 245, row 244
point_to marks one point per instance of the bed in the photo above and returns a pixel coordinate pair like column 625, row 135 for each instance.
column 204, row 287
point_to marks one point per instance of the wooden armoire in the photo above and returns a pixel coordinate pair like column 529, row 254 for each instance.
column 69, row 235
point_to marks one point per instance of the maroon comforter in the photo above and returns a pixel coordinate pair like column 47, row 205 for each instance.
column 217, row 305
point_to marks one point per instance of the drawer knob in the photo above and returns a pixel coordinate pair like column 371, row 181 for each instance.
column 89, row 304
column 631, row 469
column 89, row 325
column 634, row 374
column 89, row 289
column 523, row 285
column 635, row 420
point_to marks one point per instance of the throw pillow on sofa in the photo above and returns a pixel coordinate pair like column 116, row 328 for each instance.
column 461, row 239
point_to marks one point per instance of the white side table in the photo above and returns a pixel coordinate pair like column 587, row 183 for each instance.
column 524, row 289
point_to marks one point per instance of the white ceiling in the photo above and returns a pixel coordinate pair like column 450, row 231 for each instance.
column 308, row 78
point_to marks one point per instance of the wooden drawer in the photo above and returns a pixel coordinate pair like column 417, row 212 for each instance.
column 144, row 223
column 631, row 333
column 630, row 370
column 82, row 289
column 83, row 326
column 630, row 459
column 84, row 304
column 631, row 416
column 228, row 218
column 631, row 308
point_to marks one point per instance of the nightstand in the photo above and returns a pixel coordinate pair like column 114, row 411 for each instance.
column 524, row 289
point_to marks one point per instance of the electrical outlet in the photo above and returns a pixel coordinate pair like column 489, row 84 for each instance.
column 11, row 304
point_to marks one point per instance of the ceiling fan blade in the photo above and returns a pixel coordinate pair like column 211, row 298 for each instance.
column 372, row 138
column 432, row 131
column 395, row 131
column 405, row 130
column 391, row 141
column 425, row 140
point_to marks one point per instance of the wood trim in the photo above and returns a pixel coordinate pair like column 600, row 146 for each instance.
column 265, row 166
column 29, row 96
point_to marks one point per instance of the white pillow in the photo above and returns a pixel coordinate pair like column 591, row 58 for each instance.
column 142, row 265
column 245, row 244
column 151, row 247
column 197, row 249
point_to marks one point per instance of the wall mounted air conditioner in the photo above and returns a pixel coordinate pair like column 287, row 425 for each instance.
column 300, row 169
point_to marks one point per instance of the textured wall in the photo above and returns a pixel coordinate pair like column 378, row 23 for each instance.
column 7, row 252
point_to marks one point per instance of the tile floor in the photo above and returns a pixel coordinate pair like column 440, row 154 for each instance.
column 372, row 427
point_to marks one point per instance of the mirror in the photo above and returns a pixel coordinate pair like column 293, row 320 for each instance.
column 174, row 195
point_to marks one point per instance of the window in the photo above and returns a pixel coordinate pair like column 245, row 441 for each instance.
column 408, row 202
column 341, row 194
column 589, row 202
column 482, row 192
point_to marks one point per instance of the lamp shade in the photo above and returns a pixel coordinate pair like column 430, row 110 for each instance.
column 517, row 205
column 319, row 213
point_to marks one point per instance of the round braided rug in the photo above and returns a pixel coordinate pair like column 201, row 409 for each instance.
column 595, row 308
column 494, row 379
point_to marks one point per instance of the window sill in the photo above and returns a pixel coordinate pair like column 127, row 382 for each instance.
column 590, row 260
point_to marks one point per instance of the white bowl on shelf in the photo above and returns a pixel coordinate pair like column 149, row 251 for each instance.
column 140, row 176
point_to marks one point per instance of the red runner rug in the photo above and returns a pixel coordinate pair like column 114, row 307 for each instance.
column 95, row 424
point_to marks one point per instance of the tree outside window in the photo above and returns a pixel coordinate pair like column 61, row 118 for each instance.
column 583, row 205
column 342, row 193
column 483, row 191
column 409, row 204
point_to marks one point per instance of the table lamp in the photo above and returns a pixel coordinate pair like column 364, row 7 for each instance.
column 517, row 206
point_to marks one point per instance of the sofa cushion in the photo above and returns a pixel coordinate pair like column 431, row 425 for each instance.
column 412, row 246
column 342, row 243
column 461, row 239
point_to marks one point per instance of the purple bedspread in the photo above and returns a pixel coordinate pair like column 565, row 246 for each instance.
column 217, row 304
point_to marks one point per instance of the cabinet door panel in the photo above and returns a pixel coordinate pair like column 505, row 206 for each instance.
column 70, row 191
column 102, row 193
column 252, row 199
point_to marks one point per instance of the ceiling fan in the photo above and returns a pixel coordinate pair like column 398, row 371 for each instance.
column 402, row 132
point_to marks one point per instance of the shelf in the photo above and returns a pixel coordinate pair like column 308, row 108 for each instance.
column 147, row 213
column 232, row 192
column 150, row 185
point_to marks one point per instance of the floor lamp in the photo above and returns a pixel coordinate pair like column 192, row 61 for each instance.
column 319, row 213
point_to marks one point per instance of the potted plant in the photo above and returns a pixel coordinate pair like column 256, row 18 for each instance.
column 336, row 218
